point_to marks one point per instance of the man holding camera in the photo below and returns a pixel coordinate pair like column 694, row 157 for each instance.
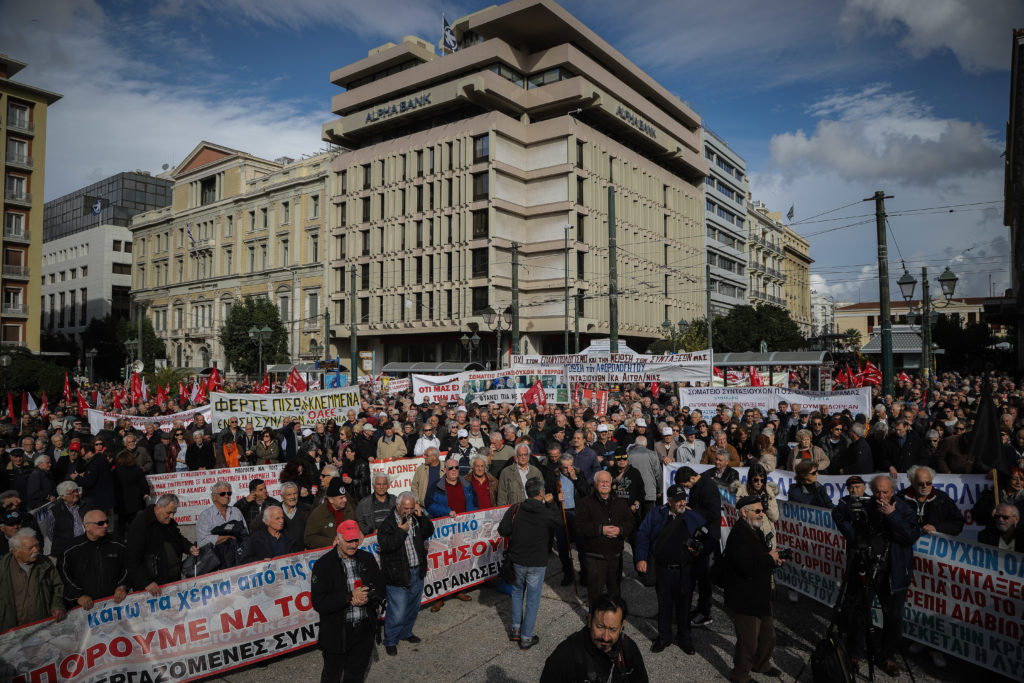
column 749, row 563
column 668, row 543
column 880, row 533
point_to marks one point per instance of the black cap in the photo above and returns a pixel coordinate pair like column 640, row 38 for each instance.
column 336, row 488
column 12, row 517
column 747, row 500
column 676, row 491
column 853, row 480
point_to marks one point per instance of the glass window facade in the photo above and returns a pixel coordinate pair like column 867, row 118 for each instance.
column 112, row 201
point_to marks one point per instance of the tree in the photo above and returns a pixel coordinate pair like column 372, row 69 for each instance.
column 31, row 373
column 108, row 336
column 745, row 327
column 58, row 342
column 852, row 339
column 241, row 351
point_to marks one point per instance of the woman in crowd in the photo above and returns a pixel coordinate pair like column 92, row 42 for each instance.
column 131, row 488
column 805, row 451
column 766, row 455
column 355, row 473
column 199, row 455
column 268, row 450
column 806, row 489
column 298, row 471
column 834, row 444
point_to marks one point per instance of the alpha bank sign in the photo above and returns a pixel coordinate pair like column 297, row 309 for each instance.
column 637, row 122
column 396, row 108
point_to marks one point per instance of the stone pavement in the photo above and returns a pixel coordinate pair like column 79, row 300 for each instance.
column 466, row 641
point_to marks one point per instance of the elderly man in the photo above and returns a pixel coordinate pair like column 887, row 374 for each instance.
column 402, row 538
column 10, row 523
column 221, row 513
column 67, row 518
column 390, row 446
column 94, row 566
column 270, row 540
column 347, row 589
column 600, row 651
column 691, row 450
column 30, row 586
column 372, row 509
column 295, row 512
column 40, row 488
column 426, row 476
column 140, row 452
column 253, row 505
column 1005, row 532
column 721, row 473
column 648, row 466
column 502, row 454
column 155, row 546
column 512, row 482
column 584, row 456
column 322, row 524
column 326, row 474
column 667, row 446
column 749, row 563
column 604, row 522
column 721, row 444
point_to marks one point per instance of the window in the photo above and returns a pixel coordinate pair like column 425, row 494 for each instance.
column 479, row 300
column 314, row 206
column 312, row 303
column 430, row 160
column 17, row 151
column 480, row 224
column 419, row 198
column 229, row 226
column 15, row 187
column 344, row 214
column 366, row 210
column 419, row 270
column 17, row 116
column 85, row 271
column 480, row 185
column 580, row 223
column 480, row 262
column 419, row 234
column 579, row 190
column 286, row 213
column 283, row 301
column 128, row 247
column 380, row 205
column 364, row 276
column 14, row 224
column 364, row 310
column 481, row 148
column 366, row 176
column 285, row 260
column 264, row 217
column 228, row 263
column 419, row 163
column 252, row 261
column 60, row 319
column 419, row 306
column 365, row 234
column 53, row 313
column 263, row 256
column 314, row 248
column 85, row 305
column 579, row 265
column 207, row 190
column 344, row 182
column 123, row 269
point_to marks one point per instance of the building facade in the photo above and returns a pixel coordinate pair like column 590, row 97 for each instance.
column 87, row 249
column 505, row 150
column 796, row 267
column 823, row 314
column 23, row 110
column 725, row 215
column 765, row 255
column 865, row 317
column 237, row 226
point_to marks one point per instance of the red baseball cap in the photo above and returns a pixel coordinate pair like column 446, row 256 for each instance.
column 349, row 530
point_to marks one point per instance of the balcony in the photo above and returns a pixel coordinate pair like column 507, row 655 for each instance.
column 22, row 198
column 20, row 125
column 13, row 342
column 17, row 235
column 757, row 267
column 16, row 271
column 20, row 310
column 22, row 161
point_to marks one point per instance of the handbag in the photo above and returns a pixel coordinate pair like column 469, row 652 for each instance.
column 507, row 570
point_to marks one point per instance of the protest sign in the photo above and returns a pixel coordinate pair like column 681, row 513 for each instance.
column 193, row 488
column 274, row 410
column 394, row 385
column 399, row 472
column 162, row 422
column 498, row 386
column 202, row 627
column 617, row 368
column 709, row 398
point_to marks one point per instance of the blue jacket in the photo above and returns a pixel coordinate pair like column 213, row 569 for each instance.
column 437, row 501
column 652, row 525
column 899, row 529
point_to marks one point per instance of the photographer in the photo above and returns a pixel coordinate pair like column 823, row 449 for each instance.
column 749, row 563
column 670, row 538
column 880, row 534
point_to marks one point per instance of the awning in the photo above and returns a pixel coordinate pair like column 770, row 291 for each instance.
column 430, row 368
column 904, row 342
column 773, row 358
column 299, row 367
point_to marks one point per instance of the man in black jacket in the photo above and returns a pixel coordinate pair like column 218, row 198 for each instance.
column 402, row 537
column 93, row 566
column 600, row 651
column 604, row 522
column 150, row 565
column 347, row 588
column 270, row 540
column 706, row 501
column 901, row 449
column 254, row 504
column 748, row 591
column 1005, row 531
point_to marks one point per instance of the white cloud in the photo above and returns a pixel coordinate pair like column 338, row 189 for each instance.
column 877, row 135
column 976, row 31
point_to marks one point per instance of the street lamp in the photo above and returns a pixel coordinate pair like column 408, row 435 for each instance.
column 947, row 281
column 670, row 332
column 90, row 355
column 469, row 345
column 5, row 362
column 130, row 345
column 260, row 335
column 498, row 323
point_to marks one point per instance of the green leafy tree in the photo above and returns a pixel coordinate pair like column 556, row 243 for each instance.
column 852, row 339
column 31, row 373
column 745, row 327
column 58, row 342
column 241, row 351
column 695, row 338
column 108, row 336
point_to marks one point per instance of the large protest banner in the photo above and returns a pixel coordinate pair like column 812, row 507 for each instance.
column 964, row 489
column 225, row 620
column 193, row 488
column 162, row 422
column 709, row 398
column 273, row 410
column 618, row 368
column 399, row 472
column 485, row 386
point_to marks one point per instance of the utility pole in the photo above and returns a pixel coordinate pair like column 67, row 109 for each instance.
column 353, row 339
column 566, row 321
column 707, row 300
column 327, row 333
column 613, row 277
column 515, row 297
column 579, row 304
column 140, row 311
column 926, row 330
column 883, row 290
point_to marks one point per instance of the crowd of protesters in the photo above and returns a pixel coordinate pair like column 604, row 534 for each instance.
column 574, row 478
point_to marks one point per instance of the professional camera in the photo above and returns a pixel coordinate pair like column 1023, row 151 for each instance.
column 785, row 553
column 696, row 542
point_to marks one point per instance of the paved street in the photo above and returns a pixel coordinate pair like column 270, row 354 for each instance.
column 466, row 641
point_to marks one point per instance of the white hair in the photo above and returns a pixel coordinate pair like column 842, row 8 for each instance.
column 920, row 468
column 19, row 537
column 269, row 509
column 219, row 485
column 66, row 487
column 40, row 458
column 640, row 441
column 289, row 486
column 404, row 496
column 331, row 470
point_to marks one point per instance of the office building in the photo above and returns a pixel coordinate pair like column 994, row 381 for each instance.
column 512, row 140
column 237, row 226
column 823, row 314
column 725, row 216
column 796, row 267
column 765, row 255
column 87, row 249
column 23, row 110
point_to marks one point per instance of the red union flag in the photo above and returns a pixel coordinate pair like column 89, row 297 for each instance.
column 214, row 383
column 903, row 377
column 83, row 407
column 295, row 382
column 67, row 390
column 535, row 395
column 264, row 386
column 655, row 389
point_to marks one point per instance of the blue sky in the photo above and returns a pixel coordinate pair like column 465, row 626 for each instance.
column 826, row 100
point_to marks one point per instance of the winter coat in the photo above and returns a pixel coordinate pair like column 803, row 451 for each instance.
column 260, row 546
column 648, row 466
column 389, row 450
column 146, row 557
column 49, row 591
column 527, row 525
column 93, row 568
column 492, row 485
column 322, row 525
column 901, row 457
column 394, row 562
column 707, row 501
column 132, row 490
column 268, row 454
column 628, row 485
column 900, row 529
column 668, row 551
column 810, row 494
column 593, row 513
column 437, row 500
column 359, row 472
column 370, row 512
column 39, row 489
column 748, row 571
column 510, row 485
column 97, row 482
column 331, row 596
column 938, row 510
column 817, row 456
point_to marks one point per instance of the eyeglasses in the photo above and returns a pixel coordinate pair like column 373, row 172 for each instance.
column 924, row 484
column 813, row 474
column 224, row 493
column 453, row 467
column 757, row 479
column 1002, row 516
column 102, row 522
column 759, row 511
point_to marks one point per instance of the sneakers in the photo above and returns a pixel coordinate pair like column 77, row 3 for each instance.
column 702, row 620
column 514, row 636
column 794, row 596
column 937, row 659
column 527, row 644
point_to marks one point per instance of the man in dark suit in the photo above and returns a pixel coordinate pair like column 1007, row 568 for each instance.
column 706, row 501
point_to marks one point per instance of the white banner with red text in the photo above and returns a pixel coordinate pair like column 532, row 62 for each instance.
column 162, row 422
column 399, row 472
column 618, row 368
column 193, row 487
column 487, row 386
column 709, row 398
column 225, row 620
column 274, row 410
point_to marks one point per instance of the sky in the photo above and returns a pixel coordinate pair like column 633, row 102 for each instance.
column 827, row 101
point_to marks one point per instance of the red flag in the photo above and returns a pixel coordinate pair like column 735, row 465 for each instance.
column 10, row 408
column 264, row 386
column 903, row 377
column 201, row 394
column 871, row 374
column 67, row 390
column 655, row 389
column 44, row 410
column 161, row 396
column 117, row 400
column 83, row 407
column 24, row 402
column 295, row 382
column 718, row 372
column 214, row 383
column 182, row 394
column 755, row 377
column 136, row 388
column 535, row 395
column 95, row 396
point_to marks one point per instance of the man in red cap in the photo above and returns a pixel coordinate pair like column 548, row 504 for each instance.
column 347, row 588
